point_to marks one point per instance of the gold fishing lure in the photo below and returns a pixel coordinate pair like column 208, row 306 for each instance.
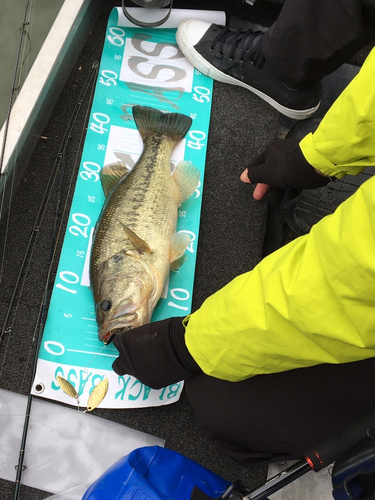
column 97, row 395
column 67, row 387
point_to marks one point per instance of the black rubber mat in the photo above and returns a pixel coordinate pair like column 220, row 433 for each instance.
column 230, row 241
column 314, row 204
column 297, row 213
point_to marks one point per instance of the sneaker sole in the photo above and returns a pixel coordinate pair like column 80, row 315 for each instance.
column 202, row 65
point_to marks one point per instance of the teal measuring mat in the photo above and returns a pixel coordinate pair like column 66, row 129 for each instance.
column 143, row 67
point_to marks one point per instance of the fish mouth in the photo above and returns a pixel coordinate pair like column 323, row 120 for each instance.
column 123, row 320
column 109, row 336
column 108, row 331
column 112, row 329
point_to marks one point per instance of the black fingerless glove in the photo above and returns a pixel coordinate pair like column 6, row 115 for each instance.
column 156, row 353
column 282, row 165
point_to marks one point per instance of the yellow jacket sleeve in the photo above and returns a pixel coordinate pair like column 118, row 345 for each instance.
column 344, row 142
column 310, row 302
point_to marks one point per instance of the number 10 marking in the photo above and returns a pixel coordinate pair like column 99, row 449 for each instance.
column 174, row 293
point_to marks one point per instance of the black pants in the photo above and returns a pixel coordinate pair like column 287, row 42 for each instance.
column 276, row 417
column 312, row 38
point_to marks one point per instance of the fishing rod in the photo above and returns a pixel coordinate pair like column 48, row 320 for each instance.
column 56, row 235
column 61, row 161
column 6, row 125
column 14, row 88
column 46, row 194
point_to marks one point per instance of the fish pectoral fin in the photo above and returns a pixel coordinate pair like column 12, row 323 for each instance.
column 178, row 262
column 140, row 245
column 179, row 243
column 186, row 176
column 111, row 174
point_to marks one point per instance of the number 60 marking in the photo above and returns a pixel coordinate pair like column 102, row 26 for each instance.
column 117, row 38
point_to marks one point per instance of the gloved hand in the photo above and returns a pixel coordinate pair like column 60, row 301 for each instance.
column 281, row 166
column 156, row 353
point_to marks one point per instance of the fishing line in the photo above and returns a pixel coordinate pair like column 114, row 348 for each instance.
column 44, row 304
column 26, row 50
column 97, row 394
column 41, row 212
column 19, row 467
column 92, row 359
column 6, row 128
column 25, row 56
column 56, row 229
column 22, row 414
column 70, row 390
column 45, row 198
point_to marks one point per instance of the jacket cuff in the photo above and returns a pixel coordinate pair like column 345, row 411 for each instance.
column 177, row 336
column 319, row 161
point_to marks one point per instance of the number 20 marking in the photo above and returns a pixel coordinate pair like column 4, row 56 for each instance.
column 190, row 248
column 77, row 231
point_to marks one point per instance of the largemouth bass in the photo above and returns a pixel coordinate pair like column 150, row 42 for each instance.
column 135, row 242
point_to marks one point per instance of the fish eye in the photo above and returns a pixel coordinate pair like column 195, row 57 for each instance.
column 105, row 305
column 118, row 258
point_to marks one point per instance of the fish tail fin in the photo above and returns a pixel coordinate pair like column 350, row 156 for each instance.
column 150, row 121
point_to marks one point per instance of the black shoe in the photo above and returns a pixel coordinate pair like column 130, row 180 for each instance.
column 234, row 56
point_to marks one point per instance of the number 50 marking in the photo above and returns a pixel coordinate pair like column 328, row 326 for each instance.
column 108, row 78
column 203, row 94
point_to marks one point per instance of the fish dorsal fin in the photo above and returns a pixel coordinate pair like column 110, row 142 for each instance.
column 179, row 243
column 140, row 245
column 111, row 174
column 186, row 176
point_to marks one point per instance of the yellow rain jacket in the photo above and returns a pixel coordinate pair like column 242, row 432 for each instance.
column 313, row 300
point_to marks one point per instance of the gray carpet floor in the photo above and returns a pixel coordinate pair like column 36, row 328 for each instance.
column 231, row 238
column 230, row 242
